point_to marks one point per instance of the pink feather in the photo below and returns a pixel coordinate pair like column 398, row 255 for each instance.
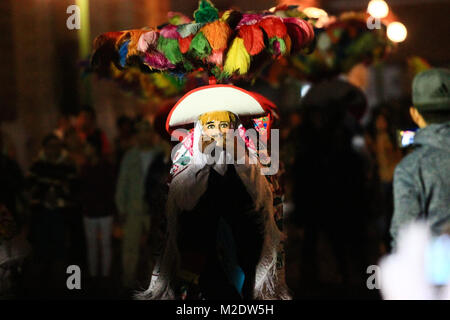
column 216, row 57
column 249, row 18
column 147, row 40
column 170, row 32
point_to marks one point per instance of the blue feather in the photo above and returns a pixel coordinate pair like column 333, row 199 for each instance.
column 179, row 76
column 123, row 51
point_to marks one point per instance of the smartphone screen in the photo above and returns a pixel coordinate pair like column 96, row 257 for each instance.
column 406, row 137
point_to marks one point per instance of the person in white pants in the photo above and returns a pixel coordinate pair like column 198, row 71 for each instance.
column 97, row 195
column 92, row 227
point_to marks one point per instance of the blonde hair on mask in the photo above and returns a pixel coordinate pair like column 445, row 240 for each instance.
column 225, row 116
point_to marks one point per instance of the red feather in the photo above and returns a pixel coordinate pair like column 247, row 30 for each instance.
column 253, row 38
column 184, row 43
column 273, row 26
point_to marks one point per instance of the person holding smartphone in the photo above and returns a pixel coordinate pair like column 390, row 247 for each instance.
column 422, row 179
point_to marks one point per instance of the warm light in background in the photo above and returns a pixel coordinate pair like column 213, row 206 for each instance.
column 315, row 13
column 396, row 31
column 84, row 36
column 378, row 9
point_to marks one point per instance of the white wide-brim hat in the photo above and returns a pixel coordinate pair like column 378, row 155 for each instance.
column 217, row 97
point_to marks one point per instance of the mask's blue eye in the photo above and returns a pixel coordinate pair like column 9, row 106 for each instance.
column 224, row 125
column 211, row 126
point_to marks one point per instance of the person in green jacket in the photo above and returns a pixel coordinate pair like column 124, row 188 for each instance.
column 134, row 211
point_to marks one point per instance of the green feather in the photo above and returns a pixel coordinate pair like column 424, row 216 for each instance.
column 219, row 74
column 280, row 41
column 200, row 46
column 282, row 45
column 188, row 66
column 206, row 12
column 171, row 49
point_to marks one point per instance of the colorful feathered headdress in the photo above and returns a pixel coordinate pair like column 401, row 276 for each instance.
column 154, row 87
column 228, row 46
column 150, row 87
column 341, row 43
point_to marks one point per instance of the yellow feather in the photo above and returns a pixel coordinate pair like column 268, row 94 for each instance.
column 226, row 15
column 238, row 59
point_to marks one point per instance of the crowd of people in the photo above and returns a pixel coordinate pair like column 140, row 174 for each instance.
column 86, row 202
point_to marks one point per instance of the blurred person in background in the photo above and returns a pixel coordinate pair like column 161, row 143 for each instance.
column 97, row 202
column 7, row 146
column 156, row 191
column 52, row 181
column 385, row 153
column 125, row 138
column 289, row 131
column 87, row 127
column 422, row 179
column 74, row 146
column 63, row 126
column 13, row 246
column 329, row 178
column 11, row 184
column 130, row 198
